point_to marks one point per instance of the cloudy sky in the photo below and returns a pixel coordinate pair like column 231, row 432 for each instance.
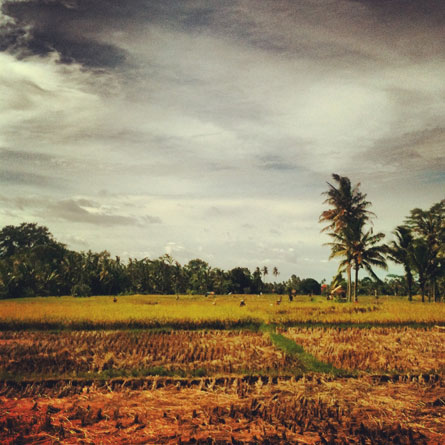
column 208, row 128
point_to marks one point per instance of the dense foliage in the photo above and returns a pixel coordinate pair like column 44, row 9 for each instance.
column 419, row 245
column 33, row 263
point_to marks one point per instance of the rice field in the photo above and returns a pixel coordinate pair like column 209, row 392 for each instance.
column 195, row 370
column 379, row 349
column 151, row 311
column 116, row 353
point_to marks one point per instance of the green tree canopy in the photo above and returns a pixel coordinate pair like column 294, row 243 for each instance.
column 345, row 219
column 26, row 236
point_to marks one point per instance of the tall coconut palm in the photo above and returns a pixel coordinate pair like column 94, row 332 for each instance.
column 401, row 252
column 347, row 202
column 359, row 249
column 348, row 207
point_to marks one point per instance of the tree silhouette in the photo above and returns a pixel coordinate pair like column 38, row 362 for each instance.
column 346, row 216
column 401, row 252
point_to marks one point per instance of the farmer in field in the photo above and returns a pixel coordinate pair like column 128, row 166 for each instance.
column 338, row 292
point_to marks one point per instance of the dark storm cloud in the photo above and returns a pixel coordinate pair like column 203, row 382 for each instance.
column 286, row 27
column 72, row 29
column 77, row 29
column 412, row 27
column 340, row 32
column 12, row 36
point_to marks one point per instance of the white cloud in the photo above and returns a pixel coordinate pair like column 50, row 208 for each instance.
column 45, row 102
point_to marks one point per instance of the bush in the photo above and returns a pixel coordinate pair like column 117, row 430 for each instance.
column 81, row 290
column 310, row 286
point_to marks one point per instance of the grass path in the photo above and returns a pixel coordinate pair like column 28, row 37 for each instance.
column 309, row 362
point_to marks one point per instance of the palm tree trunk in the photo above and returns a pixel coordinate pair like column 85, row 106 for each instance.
column 439, row 296
column 409, row 283
column 434, row 286
column 356, row 284
column 348, row 272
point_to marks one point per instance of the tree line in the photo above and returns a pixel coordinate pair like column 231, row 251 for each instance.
column 33, row 263
column 419, row 244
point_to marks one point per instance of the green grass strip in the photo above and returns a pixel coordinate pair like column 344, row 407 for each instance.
column 286, row 344
column 107, row 374
column 309, row 362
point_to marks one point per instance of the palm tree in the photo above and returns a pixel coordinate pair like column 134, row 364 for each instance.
column 421, row 263
column 341, row 247
column 348, row 207
column 429, row 225
column 368, row 253
column 359, row 249
column 347, row 204
column 400, row 251
column 275, row 272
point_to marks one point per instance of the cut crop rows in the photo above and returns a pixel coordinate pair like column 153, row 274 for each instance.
column 375, row 349
column 138, row 353
column 307, row 411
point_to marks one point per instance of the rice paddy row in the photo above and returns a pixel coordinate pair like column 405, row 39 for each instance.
column 215, row 312
column 293, row 351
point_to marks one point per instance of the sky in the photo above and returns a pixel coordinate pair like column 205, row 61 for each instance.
column 209, row 128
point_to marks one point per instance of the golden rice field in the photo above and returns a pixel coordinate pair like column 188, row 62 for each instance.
column 160, row 370
column 198, row 311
